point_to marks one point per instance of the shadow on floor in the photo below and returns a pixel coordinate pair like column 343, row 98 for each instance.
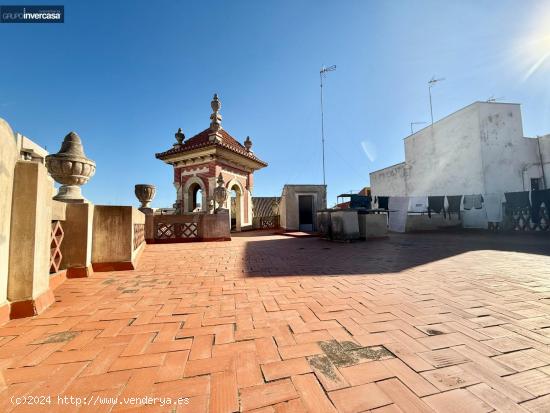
column 398, row 252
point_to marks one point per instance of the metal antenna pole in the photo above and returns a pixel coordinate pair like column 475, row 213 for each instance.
column 431, row 109
column 431, row 83
column 321, row 74
column 322, row 126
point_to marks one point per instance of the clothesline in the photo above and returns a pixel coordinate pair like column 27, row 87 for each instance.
column 475, row 210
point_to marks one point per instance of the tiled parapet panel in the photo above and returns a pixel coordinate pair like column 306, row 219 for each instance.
column 520, row 219
column 176, row 230
column 55, row 246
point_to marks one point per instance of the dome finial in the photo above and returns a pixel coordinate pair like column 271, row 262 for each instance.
column 215, row 117
column 179, row 138
column 248, row 144
column 215, row 120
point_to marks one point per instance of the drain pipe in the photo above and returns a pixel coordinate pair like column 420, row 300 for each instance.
column 541, row 163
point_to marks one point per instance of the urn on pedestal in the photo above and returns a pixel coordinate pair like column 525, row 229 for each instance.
column 145, row 194
column 220, row 194
column 71, row 168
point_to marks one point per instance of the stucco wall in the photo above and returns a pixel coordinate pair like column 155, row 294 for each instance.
column 8, row 157
column 446, row 159
column 478, row 149
column 390, row 181
column 112, row 239
column 30, row 231
column 509, row 159
column 77, row 243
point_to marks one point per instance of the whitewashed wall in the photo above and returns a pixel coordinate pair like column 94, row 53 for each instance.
column 509, row 159
column 446, row 159
column 390, row 181
column 478, row 149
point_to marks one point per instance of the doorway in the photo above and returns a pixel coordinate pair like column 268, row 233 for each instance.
column 305, row 213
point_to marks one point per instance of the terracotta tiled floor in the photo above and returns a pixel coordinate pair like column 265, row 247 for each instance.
column 444, row 322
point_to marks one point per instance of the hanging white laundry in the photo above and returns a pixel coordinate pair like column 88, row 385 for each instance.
column 418, row 204
column 473, row 217
column 493, row 206
column 473, row 201
column 398, row 207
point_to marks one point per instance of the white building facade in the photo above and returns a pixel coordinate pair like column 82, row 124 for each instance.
column 479, row 149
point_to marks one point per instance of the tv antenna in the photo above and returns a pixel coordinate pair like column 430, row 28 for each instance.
column 431, row 83
column 416, row 123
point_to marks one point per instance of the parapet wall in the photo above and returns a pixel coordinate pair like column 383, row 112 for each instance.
column 43, row 241
column 113, row 237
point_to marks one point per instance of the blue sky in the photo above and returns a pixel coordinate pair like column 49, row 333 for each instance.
column 125, row 75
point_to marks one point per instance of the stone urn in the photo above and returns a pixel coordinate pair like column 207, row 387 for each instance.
column 145, row 194
column 220, row 194
column 71, row 168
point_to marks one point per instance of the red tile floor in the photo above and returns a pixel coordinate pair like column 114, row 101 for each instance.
column 417, row 322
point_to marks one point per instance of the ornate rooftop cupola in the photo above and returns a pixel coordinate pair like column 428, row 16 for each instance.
column 199, row 161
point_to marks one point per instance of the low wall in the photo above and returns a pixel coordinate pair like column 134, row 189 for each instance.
column 113, row 243
column 425, row 223
column 190, row 227
column 344, row 225
column 215, row 227
column 77, row 242
column 30, row 237
column 373, row 225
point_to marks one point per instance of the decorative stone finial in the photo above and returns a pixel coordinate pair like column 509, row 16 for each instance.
column 248, row 144
column 220, row 193
column 215, row 119
column 179, row 138
column 71, row 168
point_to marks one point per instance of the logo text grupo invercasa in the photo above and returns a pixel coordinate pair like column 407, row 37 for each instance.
column 32, row 14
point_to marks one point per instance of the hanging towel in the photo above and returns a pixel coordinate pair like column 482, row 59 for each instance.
column 493, row 206
column 436, row 204
column 383, row 202
column 516, row 200
column 475, row 218
column 537, row 198
column 418, row 204
column 454, row 202
column 398, row 206
column 473, row 201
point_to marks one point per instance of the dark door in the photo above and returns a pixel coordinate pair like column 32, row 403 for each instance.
column 305, row 210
